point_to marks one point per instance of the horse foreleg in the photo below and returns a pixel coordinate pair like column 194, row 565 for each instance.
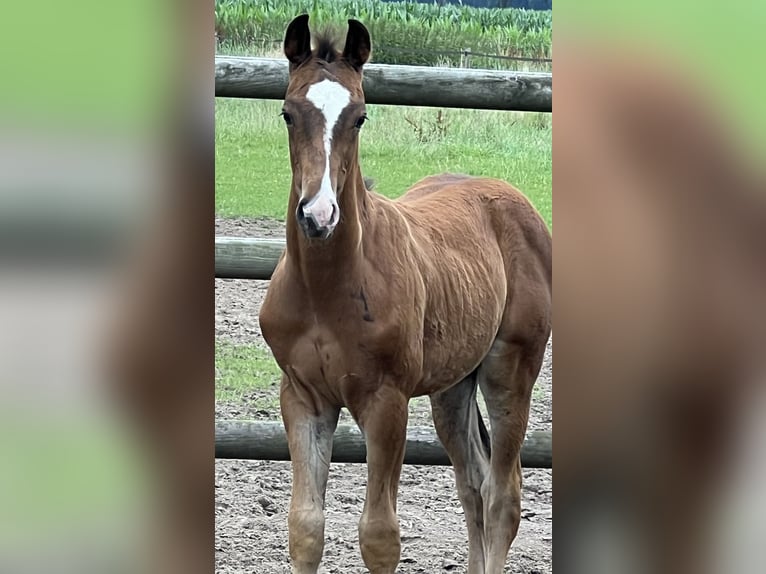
column 384, row 422
column 310, row 429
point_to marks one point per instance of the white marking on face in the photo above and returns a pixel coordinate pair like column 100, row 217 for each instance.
column 330, row 98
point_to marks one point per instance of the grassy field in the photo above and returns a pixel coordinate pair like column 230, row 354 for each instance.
column 398, row 147
column 241, row 369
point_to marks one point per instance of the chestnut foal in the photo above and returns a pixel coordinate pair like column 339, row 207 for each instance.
column 377, row 301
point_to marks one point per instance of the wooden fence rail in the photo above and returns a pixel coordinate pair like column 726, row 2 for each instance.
column 267, row 441
column 245, row 258
column 266, row 78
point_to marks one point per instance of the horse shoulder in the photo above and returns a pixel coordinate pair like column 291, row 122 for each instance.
column 280, row 320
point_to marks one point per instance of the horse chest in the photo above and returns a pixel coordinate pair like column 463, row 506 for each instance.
column 322, row 354
column 319, row 355
column 342, row 339
column 330, row 357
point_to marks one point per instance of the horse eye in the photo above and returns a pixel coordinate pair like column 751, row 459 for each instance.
column 360, row 122
column 287, row 117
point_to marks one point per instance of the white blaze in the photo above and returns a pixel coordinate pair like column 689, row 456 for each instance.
column 330, row 98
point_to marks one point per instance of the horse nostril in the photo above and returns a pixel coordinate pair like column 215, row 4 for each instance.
column 299, row 213
column 334, row 213
column 306, row 223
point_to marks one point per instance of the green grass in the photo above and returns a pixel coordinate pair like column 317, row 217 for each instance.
column 253, row 170
column 241, row 369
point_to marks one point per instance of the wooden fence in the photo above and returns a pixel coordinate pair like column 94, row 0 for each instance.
column 267, row 441
column 266, row 78
column 243, row 258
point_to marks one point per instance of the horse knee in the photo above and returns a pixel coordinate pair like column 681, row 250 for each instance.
column 380, row 543
column 306, row 538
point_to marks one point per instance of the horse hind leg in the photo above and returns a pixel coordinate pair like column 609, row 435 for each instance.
column 506, row 377
column 461, row 430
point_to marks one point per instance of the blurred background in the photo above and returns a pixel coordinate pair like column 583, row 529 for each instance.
column 659, row 272
column 106, row 264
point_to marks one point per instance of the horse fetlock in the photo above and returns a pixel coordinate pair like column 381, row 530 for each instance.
column 306, row 539
column 501, row 524
column 380, row 544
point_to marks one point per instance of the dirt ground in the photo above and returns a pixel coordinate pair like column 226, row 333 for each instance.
column 252, row 497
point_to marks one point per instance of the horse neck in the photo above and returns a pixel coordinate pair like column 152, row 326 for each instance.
column 338, row 256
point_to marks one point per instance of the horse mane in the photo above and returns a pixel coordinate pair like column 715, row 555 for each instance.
column 326, row 49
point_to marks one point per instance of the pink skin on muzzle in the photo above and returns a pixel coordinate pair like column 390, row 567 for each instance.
column 323, row 210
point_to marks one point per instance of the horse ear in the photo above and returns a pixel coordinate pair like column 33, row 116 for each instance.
column 357, row 49
column 298, row 41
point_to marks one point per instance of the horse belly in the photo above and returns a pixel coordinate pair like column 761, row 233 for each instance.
column 455, row 343
column 444, row 369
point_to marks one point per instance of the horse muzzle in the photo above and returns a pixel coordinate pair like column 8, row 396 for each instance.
column 318, row 217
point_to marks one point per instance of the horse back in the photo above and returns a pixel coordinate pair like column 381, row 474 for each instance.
column 511, row 216
column 433, row 183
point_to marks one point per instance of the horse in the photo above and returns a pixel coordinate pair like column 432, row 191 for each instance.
column 376, row 301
